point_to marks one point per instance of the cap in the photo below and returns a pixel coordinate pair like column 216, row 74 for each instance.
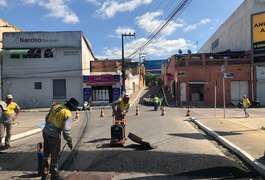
column 9, row 96
column 3, row 105
column 72, row 104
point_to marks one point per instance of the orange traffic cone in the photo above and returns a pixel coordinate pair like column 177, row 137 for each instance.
column 163, row 111
column 188, row 112
column 77, row 115
column 137, row 111
column 102, row 112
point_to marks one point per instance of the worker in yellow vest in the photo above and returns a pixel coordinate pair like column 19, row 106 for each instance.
column 57, row 120
column 7, row 119
column 121, row 106
column 156, row 102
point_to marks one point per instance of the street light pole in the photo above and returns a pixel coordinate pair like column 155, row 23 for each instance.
column 123, row 64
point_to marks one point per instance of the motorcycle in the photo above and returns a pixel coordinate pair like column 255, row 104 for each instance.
column 254, row 104
column 86, row 106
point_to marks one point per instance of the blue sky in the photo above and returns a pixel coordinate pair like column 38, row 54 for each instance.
column 103, row 22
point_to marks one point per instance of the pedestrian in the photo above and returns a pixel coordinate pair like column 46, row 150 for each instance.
column 246, row 104
column 7, row 119
column 58, row 120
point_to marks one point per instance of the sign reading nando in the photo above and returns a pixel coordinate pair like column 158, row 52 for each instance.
column 258, row 33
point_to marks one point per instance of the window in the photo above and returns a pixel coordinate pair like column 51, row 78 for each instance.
column 37, row 85
column 14, row 56
column 48, row 53
column 33, row 53
column 70, row 53
column 59, row 89
column 215, row 44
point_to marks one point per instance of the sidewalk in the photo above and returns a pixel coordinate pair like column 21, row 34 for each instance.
column 243, row 136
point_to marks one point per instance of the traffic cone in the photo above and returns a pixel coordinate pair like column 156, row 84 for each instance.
column 188, row 112
column 163, row 111
column 77, row 115
column 102, row 112
column 137, row 111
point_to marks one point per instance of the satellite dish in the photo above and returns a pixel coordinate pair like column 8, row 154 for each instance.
column 180, row 51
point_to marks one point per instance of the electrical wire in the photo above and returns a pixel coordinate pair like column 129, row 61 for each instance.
column 177, row 10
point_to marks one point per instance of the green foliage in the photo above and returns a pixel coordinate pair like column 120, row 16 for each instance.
column 152, row 78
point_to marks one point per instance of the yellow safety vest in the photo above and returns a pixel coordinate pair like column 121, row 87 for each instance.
column 122, row 106
column 58, row 114
column 10, row 108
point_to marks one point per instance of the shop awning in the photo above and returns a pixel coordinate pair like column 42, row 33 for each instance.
column 198, row 82
column 14, row 51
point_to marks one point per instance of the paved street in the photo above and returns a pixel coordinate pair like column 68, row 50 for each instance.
column 182, row 151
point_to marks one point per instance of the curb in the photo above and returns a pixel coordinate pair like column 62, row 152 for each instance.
column 243, row 154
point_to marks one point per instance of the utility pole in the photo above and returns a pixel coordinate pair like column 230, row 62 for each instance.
column 123, row 64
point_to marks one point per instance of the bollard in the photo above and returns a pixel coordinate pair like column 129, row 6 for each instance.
column 137, row 111
column 163, row 111
column 102, row 112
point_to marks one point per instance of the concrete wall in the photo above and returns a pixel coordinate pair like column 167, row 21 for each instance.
column 235, row 33
column 28, row 97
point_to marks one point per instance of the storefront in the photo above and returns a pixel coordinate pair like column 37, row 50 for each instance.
column 102, row 88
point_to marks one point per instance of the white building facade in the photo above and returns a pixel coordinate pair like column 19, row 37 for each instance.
column 44, row 67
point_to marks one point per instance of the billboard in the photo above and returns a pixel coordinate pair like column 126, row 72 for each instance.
column 258, row 33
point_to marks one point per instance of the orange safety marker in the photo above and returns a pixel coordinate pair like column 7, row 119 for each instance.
column 188, row 112
column 102, row 112
column 137, row 111
column 77, row 115
column 163, row 111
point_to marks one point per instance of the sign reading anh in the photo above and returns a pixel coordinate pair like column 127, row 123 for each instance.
column 258, row 33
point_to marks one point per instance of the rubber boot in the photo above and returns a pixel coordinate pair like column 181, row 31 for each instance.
column 54, row 172
column 45, row 169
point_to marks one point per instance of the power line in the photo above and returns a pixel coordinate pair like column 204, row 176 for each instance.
column 177, row 10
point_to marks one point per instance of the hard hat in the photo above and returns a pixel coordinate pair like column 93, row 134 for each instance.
column 126, row 96
column 9, row 96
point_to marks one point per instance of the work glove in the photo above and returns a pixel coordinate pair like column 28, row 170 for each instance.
column 70, row 144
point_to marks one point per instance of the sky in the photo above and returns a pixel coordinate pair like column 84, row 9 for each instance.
column 162, row 26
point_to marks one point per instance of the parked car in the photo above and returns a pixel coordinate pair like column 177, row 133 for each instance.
column 149, row 100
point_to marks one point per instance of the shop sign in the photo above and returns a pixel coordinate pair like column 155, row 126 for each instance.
column 116, row 93
column 95, row 79
column 87, row 94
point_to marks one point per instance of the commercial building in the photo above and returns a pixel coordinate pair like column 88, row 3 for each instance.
column 42, row 67
column 104, row 84
column 244, row 31
column 154, row 66
column 208, row 78
column 5, row 27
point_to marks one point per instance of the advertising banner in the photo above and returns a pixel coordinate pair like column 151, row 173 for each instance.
column 258, row 33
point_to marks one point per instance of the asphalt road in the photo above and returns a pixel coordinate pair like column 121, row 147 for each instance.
column 182, row 152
